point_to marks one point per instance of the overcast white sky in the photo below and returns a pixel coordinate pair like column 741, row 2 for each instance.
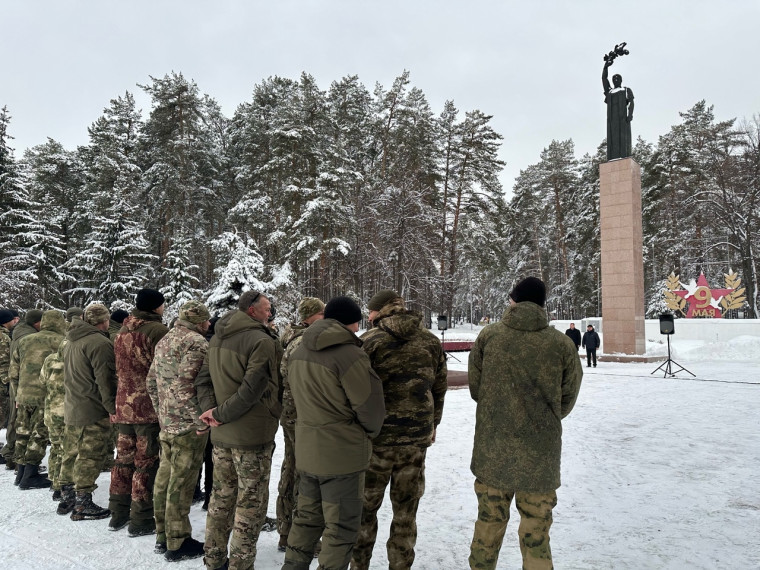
column 534, row 65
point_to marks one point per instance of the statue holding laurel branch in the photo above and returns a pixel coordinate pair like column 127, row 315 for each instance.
column 619, row 101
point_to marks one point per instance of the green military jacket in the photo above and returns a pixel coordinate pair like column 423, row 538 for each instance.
column 525, row 377
column 240, row 377
column 178, row 358
column 339, row 401
column 29, row 354
column 51, row 377
column 89, row 372
column 412, row 365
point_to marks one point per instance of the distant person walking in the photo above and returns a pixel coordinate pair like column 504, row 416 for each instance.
column 525, row 377
column 575, row 335
column 591, row 342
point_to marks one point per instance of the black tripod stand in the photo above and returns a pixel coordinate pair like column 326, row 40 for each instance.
column 443, row 334
column 667, row 366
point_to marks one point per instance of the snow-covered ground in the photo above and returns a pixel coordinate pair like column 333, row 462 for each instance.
column 657, row 473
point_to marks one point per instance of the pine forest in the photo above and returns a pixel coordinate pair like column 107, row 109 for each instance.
column 306, row 191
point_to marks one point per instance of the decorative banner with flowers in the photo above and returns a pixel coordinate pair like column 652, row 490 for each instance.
column 697, row 299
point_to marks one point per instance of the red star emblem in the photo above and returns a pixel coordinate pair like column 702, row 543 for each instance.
column 703, row 301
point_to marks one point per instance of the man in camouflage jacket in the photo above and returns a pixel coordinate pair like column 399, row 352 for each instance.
column 7, row 321
column 137, row 448
column 239, row 389
column 525, row 377
column 179, row 356
column 29, row 325
column 310, row 310
column 51, row 378
column 411, row 362
column 24, row 374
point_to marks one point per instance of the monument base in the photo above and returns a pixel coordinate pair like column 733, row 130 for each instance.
column 622, row 258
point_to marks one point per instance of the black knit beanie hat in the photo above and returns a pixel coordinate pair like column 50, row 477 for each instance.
column 6, row 316
column 119, row 315
column 344, row 310
column 149, row 300
column 529, row 289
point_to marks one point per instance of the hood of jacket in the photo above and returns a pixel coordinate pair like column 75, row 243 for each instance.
column 398, row 322
column 525, row 316
column 293, row 331
column 53, row 321
column 82, row 330
column 327, row 333
column 138, row 318
column 237, row 321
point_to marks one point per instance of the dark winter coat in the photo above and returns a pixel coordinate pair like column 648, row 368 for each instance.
column 339, row 401
column 575, row 336
column 135, row 347
column 89, row 373
column 240, row 377
column 525, row 377
column 591, row 340
column 412, row 366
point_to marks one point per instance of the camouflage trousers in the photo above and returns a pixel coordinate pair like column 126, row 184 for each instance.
column 83, row 454
column 330, row 507
column 239, row 500
column 5, row 405
column 287, row 489
column 31, row 435
column 404, row 468
column 10, row 435
column 134, row 470
column 56, row 431
column 493, row 514
column 181, row 457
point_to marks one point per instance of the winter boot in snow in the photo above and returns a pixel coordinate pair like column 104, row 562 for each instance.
column 119, row 507
column 141, row 521
column 68, row 499
column 56, row 494
column 190, row 548
column 33, row 480
column 160, row 547
column 85, row 509
column 19, row 474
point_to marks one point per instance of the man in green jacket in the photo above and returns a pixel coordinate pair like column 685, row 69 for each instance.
column 310, row 310
column 89, row 374
column 238, row 386
column 524, row 376
column 340, row 407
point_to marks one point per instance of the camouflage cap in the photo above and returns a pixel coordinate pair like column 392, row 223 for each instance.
column 308, row 307
column 194, row 312
column 72, row 312
column 96, row 313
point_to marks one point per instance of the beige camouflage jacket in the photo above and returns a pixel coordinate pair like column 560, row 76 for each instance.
column 51, row 377
column 178, row 358
column 28, row 356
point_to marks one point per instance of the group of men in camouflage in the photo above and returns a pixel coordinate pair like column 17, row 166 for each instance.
column 358, row 415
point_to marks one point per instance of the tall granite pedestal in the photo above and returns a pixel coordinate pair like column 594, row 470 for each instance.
column 622, row 257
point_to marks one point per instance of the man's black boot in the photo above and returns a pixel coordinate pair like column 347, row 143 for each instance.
column 33, row 480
